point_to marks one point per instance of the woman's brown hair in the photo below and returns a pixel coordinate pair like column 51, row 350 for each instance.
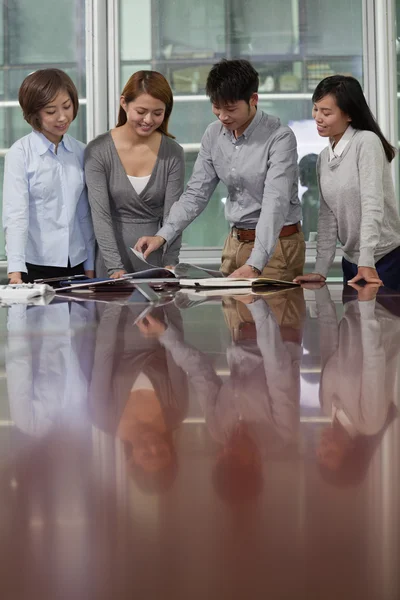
column 154, row 84
column 40, row 88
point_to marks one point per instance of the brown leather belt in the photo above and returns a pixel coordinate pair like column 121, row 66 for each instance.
column 249, row 235
column 247, row 331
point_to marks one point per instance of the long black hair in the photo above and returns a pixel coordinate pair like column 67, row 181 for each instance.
column 351, row 100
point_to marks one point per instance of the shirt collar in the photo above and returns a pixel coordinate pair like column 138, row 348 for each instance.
column 256, row 119
column 66, row 142
column 42, row 144
column 249, row 130
column 342, row 143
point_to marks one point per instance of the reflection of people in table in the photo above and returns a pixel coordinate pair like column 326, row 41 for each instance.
column 48, row 363
column 360, row 360
column 138, row 393
column 254, row 413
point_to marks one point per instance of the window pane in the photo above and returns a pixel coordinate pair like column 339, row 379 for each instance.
column 37, row 35
column 293, row 44
column 188, row 29
column 135, row 33
column 334, row 28
column 45, row 31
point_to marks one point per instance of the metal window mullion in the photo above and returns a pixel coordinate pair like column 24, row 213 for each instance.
column 369, row 54
column 386, row 74
column 113, row 67
column 96, row 67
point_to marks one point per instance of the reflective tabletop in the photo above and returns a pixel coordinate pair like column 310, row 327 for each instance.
column 221, row 448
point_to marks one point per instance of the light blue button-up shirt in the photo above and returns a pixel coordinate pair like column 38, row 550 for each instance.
column 46, row 214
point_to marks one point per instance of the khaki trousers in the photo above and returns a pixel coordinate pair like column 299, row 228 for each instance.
column 286, row 262
column 287, row 306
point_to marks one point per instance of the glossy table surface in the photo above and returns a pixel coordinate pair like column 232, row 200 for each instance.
column 243, row 447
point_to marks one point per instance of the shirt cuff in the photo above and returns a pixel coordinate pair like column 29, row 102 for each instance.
column 322, row 295
column 258, row 259
column 88, row 265
column 366, row 258
column 169, row 338
column 322, row 267
column 367, row 309
column 16, row 266
column 168, row 233
column 259, row 309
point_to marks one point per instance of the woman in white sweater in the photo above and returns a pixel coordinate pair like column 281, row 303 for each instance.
column 358, row 205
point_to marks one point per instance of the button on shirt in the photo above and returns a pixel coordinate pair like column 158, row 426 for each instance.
column 260, row 171
column 46, row 214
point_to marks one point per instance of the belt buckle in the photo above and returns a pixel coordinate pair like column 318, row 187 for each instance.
column 236, row 234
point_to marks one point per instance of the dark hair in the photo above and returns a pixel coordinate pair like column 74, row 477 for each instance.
column 40, row 88
column 230, row 81
column 351, row 100
column 154, row 84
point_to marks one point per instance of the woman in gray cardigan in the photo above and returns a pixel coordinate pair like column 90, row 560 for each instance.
column 134, row 174
column 358, row 204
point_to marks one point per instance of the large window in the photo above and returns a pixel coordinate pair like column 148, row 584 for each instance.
column 293, row 45
column 35, row 35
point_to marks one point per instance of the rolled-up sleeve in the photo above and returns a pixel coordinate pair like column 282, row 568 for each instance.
column 198, row 192
column 282, row 175
column 15, row 208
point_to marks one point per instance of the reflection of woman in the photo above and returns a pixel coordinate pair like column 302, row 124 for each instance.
column 358, row 204
column 138, row 394
column 49, row 358
column 359, row 373
column 134, row 174
column 46, row 214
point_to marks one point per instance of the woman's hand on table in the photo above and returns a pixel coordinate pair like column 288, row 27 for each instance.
column 118, row 274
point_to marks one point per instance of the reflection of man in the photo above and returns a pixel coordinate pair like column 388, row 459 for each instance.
column 254, row 412
column 48, row 362
column 359, row 371
column 256, row 158
column 138, row 394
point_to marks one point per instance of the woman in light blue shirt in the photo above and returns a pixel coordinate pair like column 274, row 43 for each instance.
column 46, row 215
